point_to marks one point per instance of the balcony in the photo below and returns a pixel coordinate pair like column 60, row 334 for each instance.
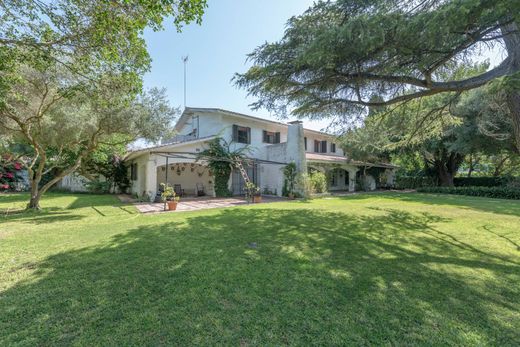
column 179, row 138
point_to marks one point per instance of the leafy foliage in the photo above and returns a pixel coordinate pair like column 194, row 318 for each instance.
column 318, row 181
column 106, row 163
column 62, row 121
column 334, row 58
column 88, row 37
column 9, row 169
column 290, row 179
column 220, row 158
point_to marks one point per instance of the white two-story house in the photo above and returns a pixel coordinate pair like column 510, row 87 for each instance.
column 271, row 144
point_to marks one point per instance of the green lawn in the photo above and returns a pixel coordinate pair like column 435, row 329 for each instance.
column 374, row 269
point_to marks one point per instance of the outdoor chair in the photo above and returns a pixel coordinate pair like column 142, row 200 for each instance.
column 200, row 189
column 178, row 190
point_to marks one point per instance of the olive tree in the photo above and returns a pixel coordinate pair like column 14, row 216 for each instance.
column 63, row 120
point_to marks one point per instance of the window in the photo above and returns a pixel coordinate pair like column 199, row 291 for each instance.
column 241, row 134
column 271, row 137
column 332, row 148
column 305, row 142
column 323, row 146
column 133, row 172
column 320, row 146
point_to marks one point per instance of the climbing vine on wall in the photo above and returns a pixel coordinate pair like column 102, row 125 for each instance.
column 220, row 159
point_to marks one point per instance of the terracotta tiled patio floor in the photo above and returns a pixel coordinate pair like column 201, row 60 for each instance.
column 194, row 204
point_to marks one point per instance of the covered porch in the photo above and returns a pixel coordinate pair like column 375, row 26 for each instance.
column 345, row 175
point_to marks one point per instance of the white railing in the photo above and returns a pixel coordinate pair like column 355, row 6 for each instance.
column 180, row 138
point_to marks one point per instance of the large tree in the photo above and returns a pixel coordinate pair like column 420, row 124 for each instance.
column 338, row 54
column 70, row 75
column 87, row 36
column 440, row 136
column 63, row 121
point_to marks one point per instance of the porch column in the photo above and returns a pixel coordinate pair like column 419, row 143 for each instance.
column 150, row 184
column 296, row 150
column 352, row 179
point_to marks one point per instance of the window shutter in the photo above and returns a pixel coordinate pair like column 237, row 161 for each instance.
column 323, row 146
column 264, row 136
column 316, row 146
column 305, row 142
column 333, row 148
column 248, row 135
column 235, row 133
column 277, row 137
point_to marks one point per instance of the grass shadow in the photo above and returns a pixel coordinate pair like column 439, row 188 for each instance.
column 262, row 276
column 58, row 207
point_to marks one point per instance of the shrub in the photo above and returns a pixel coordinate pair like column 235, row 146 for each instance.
column 480, row 181
column 489, row 192
column 98, row 187
column 413, row 182
column 318, row 182
column 8, row 172
column 289, row 182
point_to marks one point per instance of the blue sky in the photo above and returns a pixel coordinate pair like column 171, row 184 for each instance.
column 217, row 49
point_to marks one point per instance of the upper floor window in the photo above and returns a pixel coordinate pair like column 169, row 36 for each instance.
column 241, row 134
column 305, row 142
column 271, row 137
column 332, row 148
column 320, row 146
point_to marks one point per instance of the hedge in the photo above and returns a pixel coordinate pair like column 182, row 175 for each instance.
column 413, row 182
column 489, row 192
column 484, row 181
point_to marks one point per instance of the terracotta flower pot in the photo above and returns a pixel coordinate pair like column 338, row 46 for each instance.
column 290, row 196
column 172, row 205
column 257, row 199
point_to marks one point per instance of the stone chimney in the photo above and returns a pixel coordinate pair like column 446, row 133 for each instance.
column 296, row 148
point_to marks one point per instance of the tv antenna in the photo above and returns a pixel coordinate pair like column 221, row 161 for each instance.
column 185, row 61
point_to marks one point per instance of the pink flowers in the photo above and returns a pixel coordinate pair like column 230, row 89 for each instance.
column 4, row 186
column 9, row 175
column 17, row 166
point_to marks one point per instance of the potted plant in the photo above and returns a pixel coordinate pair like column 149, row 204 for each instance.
column 169, row 197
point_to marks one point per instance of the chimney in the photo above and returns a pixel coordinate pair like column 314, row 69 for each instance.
column 296, row 148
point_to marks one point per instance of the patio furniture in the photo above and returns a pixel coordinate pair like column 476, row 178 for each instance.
column 178, row 190
column 200, row 189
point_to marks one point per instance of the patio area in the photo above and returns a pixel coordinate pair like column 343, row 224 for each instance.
column 201, row 203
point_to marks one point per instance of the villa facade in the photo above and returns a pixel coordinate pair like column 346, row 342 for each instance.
column 271, row 145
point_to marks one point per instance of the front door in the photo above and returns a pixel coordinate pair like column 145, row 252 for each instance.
column 237, row 182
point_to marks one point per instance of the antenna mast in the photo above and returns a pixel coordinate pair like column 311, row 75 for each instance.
column 185, row 61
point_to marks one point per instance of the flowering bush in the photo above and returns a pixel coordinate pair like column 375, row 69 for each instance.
column 8, row 169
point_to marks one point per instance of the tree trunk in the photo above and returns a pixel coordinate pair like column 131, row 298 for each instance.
column 34, row 202
column 37, row 192
column 34, row 181
column 471, row 165
column 447, row 165
column 512, row 43
column 499, row 166
column 445, row 177
column 513, row 103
